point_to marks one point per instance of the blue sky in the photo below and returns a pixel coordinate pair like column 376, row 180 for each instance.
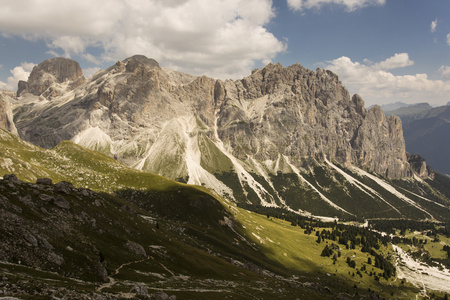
column 384, row 50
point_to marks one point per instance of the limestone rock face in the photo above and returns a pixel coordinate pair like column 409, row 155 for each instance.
column 22, row 87
column 54, row 70
column 183, row 126
column 379, row 145
column 6, row 116
column 306, row 115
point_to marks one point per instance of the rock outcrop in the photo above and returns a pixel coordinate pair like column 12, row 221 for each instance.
column 6, row 116
column 51, row 71
column 419, row 165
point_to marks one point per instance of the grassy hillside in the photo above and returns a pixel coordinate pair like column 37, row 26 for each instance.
column 139, row 234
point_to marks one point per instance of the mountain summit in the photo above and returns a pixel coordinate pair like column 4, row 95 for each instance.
column 52, row 71
column 247, row 139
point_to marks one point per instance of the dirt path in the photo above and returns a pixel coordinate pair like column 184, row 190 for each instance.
column 112, row 281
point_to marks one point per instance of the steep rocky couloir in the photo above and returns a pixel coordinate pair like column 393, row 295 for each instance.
column 144, row 113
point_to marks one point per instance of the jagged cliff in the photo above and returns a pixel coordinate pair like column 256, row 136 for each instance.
column 6, row 116
column 292, row 112
column 221, row 134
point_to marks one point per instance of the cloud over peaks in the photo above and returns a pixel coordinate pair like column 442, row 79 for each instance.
column 376, row 85
column 215, row 37
column 18, row 73
column 399, row 60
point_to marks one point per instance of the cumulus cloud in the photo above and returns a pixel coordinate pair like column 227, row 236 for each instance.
column 378, row 86
column 18, row 73
column 399, row 60
column 88, row 72
column 215, row 37
column 350, row 5
column 433, row 25
column 444, row 71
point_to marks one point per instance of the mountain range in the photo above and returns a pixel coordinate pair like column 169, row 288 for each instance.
column 281, row 137
column 267, row 159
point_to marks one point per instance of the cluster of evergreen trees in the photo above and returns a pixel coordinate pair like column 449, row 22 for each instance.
column 350, row 237
column 447, row 249
column 390, row 226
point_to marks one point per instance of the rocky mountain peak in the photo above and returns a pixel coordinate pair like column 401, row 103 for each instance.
column 135, row 61
column 51, row 71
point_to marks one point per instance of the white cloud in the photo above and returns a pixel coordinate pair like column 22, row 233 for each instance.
column 215, row 37
column 69, row 44
column 350, row 5
column 18, row 73
column 399, row 60
column 88, row 72
column 377, row 86
column 448, row 39
column 444, row 71
column 433, row 25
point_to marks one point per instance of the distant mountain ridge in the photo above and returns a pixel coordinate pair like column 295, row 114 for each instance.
column 281, row 137
column 391, row 106
column 427, row 132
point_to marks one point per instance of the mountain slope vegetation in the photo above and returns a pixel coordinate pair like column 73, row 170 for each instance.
column 120, row 232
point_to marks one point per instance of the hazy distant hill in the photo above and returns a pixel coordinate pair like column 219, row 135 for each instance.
column 427, row 133
column 391, row 106
column 410, row 112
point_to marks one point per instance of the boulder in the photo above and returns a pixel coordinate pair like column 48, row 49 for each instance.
column 61, row 202
column 45, row 181
column 139, row 289
column 64, row 187
column 12, row 178
column 136, row 249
